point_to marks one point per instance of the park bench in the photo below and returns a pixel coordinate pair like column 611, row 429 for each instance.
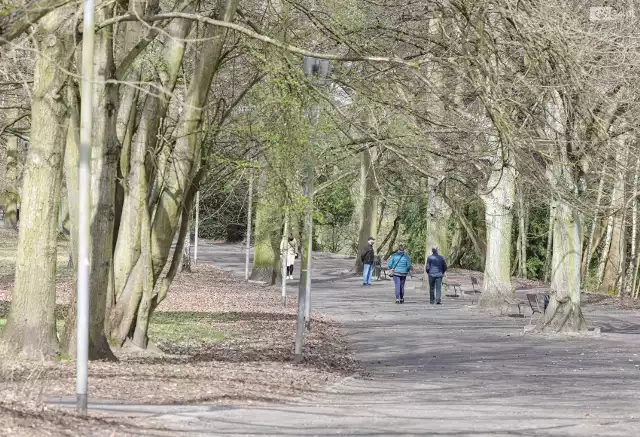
column 475, row 289
column 534, row 304
column 514, row 301
column 455, row 286
column 474, row 284
column 379, row 269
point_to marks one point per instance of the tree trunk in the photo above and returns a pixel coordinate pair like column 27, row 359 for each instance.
column 549, row 250
column 11, row 196
column 383, row 207
column 31, row 324
column 563, row 313
column 391, row 238
column 630, row 282
column 266, row 234
column 104, row 162
column 456, row 245
column 604, row 255
column 391, row 248
column 498, row 202
column 71, row 165
column 132, row 258
column 438, row 214
column 522, row 235
column 186, row 152
column 613, row 255
column 478, row 245
column 586, row 258
column 370, row 196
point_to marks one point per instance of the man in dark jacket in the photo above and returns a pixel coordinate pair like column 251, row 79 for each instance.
column 436, row 268
column 368, row 259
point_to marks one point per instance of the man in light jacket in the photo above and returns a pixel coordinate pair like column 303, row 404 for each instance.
column 436, row 268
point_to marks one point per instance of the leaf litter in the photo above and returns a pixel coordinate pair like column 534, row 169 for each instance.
column 223, row 341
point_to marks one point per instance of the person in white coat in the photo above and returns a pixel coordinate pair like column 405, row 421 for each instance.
column 289, row 252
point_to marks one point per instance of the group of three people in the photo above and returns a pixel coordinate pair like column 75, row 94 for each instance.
column 400, row 267
column 399, row 264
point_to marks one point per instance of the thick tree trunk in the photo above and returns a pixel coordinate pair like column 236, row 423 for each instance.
column 132, row 287
column 498, row 203
column 104, row 155
column 370, row 197
column 564, row 313
column 11, row 196
column 31, row 324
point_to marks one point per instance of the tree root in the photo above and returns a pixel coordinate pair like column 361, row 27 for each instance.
column 562, row 316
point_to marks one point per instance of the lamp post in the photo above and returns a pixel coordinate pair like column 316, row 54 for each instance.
column 317, row 71
column 84, row 211
column 195, row 248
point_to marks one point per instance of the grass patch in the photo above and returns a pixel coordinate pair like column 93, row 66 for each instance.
column 9, row 247
column 187, row 329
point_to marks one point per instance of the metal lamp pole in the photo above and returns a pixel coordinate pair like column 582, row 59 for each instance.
column 247, row 249
column 317, row 70
column 84, row 210
column 195, row 248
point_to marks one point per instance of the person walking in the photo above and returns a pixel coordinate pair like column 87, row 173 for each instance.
column 399, row 266
column 289, row 252
column 368, row 259
column 435, row 269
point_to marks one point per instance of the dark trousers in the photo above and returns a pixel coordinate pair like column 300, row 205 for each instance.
column 290, row 270
column 399, row 281
column 435, row 288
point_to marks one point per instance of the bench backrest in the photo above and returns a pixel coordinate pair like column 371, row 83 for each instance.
column 533, row 301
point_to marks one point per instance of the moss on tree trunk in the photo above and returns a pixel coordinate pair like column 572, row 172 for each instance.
column 31, row 324
column 267, row 234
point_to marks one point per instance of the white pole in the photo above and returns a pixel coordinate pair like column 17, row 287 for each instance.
column 248, row 246
column 284, row 257
column 84, row 211
column 307, row 301
column 195, row 249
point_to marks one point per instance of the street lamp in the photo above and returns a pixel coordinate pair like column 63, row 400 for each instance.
column 317, row 71
column 84, row 211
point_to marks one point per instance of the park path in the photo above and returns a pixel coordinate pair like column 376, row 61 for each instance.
column 441, row 371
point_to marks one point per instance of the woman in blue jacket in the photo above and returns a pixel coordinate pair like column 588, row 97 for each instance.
column 400, row 265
